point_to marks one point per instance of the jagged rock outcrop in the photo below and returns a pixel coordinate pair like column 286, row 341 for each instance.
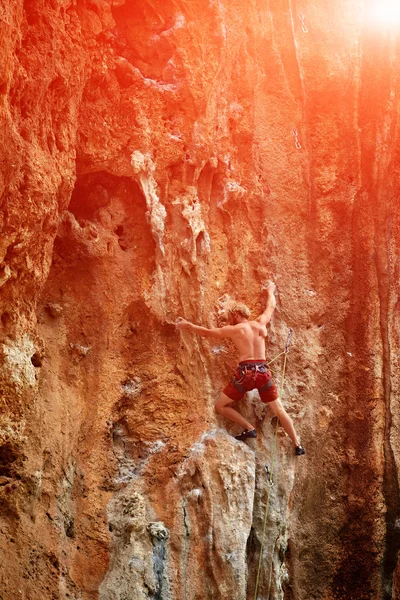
column 157, row 157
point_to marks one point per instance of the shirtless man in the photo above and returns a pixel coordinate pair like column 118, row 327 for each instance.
column 252, row 371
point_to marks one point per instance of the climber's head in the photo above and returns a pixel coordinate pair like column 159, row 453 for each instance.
column 238, row 313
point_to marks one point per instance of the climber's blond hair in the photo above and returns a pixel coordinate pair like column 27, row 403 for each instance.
column 238, row 308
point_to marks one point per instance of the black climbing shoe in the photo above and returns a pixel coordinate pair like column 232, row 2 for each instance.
column 300, row 450
column 247, row 433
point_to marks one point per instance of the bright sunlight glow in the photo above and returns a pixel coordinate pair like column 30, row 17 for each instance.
column 385, row 12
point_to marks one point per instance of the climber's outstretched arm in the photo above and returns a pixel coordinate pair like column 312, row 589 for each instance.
column 217, row 332
column 265, row 317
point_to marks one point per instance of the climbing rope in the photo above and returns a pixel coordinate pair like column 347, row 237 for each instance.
column 270, row 473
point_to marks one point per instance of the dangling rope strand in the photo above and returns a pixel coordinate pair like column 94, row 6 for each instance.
column 274, row 359
column 271, row 473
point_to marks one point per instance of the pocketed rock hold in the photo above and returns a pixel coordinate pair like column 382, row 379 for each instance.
column 127, row 512
column 79, row 350
column 125, row 72
column 37, row 359
column 131, row 388
column 54, row 310
column 158, row 530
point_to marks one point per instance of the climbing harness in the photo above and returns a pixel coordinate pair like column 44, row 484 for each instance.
column 254, row 368
column 295, row 134
column 303, row 25
column 270, row 473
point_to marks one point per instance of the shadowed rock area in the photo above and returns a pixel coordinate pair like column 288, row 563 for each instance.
column 158, row 158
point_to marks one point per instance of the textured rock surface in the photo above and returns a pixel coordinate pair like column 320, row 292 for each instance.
column 155, row 157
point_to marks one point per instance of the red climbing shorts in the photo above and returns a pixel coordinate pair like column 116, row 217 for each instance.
column 252, row 375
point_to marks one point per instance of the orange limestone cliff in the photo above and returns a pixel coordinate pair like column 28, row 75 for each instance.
column 159, row 158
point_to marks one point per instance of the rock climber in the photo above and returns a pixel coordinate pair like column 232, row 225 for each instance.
column 252, row 371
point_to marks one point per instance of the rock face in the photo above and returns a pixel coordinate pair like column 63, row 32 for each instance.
column 158, row 158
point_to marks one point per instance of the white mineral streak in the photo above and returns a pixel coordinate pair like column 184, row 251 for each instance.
column 191, row 211
column 155, row 299
column 159, row 85
column 216, row 489
column 132, row 388
column 232, row 188
column 17, row 364
column 224, row 303
column 5, row 276
column 143, row 167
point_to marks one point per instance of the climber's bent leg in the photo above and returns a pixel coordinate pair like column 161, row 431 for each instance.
column 285, row 420
column 224, row 408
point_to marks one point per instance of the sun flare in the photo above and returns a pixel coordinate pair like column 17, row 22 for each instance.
column 386, row 12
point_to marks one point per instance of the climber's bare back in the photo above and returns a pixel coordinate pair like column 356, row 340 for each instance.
column 249, row 339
